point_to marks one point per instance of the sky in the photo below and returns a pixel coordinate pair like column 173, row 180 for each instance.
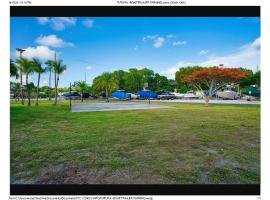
column 93, row 45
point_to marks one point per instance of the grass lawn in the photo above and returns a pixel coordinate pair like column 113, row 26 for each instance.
column 183, row 144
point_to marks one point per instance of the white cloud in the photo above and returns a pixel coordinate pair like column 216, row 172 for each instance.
column 178, row 43
column 88, row 23
column 88, row 67
column 60, row 23
column 170, row 72
column 53, row 41
column 203, row 52
column 171, row 36
column 57, row 23
column 43, row 20
column 149, row 37
column 247, row 56
column 41, row 52
column 158, row 42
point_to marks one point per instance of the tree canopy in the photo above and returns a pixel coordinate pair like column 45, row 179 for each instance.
column 213, row 78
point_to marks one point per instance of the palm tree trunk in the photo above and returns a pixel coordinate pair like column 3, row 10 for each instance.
column 50, row 96
column 28, row 90
column 107, row 96
column 21, row 82
column 55, row 98
column 38, row 88
column 81, row 96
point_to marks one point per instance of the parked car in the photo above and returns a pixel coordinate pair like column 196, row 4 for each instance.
column 74, row 96
column 86, row 95
column 166, row 95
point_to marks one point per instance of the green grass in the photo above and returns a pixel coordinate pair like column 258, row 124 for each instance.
column 182, row 144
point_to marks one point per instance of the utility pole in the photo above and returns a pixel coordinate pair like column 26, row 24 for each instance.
column 21, row 82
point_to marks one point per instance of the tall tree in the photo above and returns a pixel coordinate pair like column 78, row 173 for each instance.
column 120, row 76
column 184, row 71
column 106, row 82
column 134, row 80
column 214, row 78
column 37, row 66
column 81, row 86
column 13, row 69
column 26, row 67
column 58, row 68
column 49, row 68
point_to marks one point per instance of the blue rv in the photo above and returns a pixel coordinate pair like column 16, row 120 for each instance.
column 147, row 94
column 121, row 94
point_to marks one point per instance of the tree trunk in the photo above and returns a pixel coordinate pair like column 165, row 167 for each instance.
column 28, row 90
column 38, row 88
column 50, row 96
column 207, row 99
column 82, row 97
column 107, row 96
column 55, row 98
column 21, row 82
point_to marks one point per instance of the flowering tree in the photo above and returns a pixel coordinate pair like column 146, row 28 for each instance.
column 213, row 78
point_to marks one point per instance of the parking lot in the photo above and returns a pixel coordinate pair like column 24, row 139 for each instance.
column 93, row 107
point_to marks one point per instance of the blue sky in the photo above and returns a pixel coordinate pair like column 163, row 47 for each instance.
column 93, row 45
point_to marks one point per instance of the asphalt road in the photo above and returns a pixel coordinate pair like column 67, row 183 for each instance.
column 213, row 101
column 93, row 107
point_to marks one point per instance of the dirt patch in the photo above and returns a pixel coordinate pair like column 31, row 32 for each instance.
column 251, row 144
column 204, row 177
column 73, row 174
column 226, row 162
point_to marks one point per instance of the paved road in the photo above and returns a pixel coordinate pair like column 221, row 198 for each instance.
column 113, row 106
column 214, row 101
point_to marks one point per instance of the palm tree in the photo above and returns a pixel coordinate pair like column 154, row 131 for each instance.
column 16, row 87
column 26, row 67
column 49, row 68
column 106, row 82
column 13, row 69
column 81, row 86
column 37, row 65
column 21, row 81
column 58, row 69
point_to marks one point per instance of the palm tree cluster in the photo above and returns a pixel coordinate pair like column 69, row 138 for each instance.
column 106, row 82
column 26, row 67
